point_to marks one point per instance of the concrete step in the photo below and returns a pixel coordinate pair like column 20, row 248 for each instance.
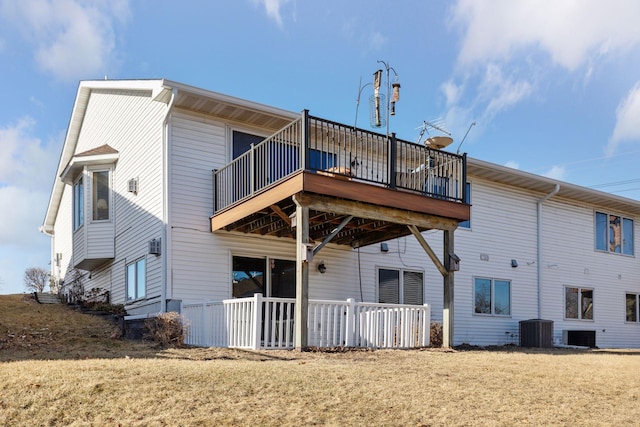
column 47, row 298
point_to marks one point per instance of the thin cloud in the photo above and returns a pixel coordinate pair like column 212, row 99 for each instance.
column 570, row 32
column 72, row 39
column 506, row 48
column 24, row 160
column 501, row 92
column 627, row 126
column 273, row 9
column 556, row 172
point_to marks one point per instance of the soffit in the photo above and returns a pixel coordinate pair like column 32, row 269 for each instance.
column 543, row 185
column 230, row 108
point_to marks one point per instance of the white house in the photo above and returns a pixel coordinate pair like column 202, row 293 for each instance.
column 172, row 197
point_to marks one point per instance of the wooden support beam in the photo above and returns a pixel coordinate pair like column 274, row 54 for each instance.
column 281, row 214
column 447, row 308
column 414, row 230
column 377, row 212
column 302, row 276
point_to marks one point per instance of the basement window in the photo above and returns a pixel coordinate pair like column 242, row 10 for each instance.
column 400, row 286
column 578, row 303
column 492, row 296
column 632, row 307
column 136, row 280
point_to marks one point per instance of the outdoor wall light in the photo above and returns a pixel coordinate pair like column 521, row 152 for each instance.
column 514, row 263
column 322, row 268
column 384, row 247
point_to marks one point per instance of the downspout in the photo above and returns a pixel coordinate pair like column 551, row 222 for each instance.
column 539, row 260
column 166, row 236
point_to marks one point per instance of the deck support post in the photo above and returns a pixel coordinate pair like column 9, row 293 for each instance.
column 447, row 307
column 302, row 275
column 446, row 270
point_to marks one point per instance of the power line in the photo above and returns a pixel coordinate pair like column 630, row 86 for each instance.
column 610, row 184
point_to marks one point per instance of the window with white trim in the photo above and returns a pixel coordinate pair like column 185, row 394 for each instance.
column 78, row 203
column 492, row 296
column 400, row 286
column 251, row 276
column 467, row 200
column 614, row 233
column 632, row 305
column 136, row 279
column 101, row 195
column 578, row 303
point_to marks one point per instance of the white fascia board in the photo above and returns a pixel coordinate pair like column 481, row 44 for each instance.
column 228, row 99
column 73, row 131
column 71, row 171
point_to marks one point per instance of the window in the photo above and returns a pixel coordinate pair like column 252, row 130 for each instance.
column 400, row 287
column 632, row 307
column 578, row 303
column 100, row 195
column 136, row 279
column 614, row 234
column 467, row 200
column 492, row 296
column 78, row 203
column 250, row 277
column 242, row 141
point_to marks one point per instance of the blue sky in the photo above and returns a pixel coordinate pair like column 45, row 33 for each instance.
column 553, row 86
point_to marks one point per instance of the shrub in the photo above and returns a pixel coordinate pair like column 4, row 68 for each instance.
column 436, row 335
column 167, row 329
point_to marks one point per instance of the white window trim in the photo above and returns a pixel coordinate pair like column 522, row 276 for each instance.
column 267, row 279
column 470, row 182
column 579, row 318
column 126, row 282
column 82, row 217
column 595, row 232
column 401, row 282
column 637, row 321
column 90, row 172
column 243, row 129
column 492, row 314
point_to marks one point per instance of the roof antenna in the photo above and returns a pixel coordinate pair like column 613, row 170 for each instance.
column 465, row 137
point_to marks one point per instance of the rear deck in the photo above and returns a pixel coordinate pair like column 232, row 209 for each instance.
column 321, row 182
column 381, row 183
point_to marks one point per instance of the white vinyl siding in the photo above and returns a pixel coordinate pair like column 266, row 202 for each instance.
column 131, row 123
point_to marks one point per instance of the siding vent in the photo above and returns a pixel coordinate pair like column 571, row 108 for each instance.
column 133, row 185
column 155, row 247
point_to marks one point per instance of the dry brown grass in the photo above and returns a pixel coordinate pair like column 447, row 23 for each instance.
column 140, row 385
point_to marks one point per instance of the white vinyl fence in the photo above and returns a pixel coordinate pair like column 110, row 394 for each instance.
column 268, row 323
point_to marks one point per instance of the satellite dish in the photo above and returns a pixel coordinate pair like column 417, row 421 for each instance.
column 438, row 142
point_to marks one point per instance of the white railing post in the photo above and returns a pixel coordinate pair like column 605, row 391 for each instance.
column 203, row 324
column 427, row 325
column 257, row 321
column 351, row 321
column 251, row 174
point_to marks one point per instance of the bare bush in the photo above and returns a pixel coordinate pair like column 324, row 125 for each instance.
column 167, row 329
column 436, row 335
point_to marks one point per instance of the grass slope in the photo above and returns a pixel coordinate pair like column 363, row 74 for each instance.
column 62, row 368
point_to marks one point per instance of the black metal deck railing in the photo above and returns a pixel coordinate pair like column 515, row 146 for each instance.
column 321, row 146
